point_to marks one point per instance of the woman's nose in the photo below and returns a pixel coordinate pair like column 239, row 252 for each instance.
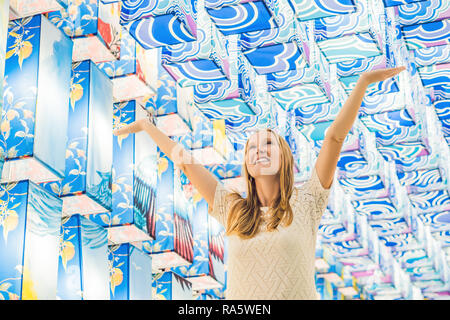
column 262, row 149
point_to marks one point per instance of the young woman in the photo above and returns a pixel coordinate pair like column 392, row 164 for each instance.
column 272, row 232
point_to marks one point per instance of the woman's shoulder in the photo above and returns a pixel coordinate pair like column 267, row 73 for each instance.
column 228, row 193
column 225, row 195
column 297, row 190
column 221, row 203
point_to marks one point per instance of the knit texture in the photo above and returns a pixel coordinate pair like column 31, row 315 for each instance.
column 280, row 264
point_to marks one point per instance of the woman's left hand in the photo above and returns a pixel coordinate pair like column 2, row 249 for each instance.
column 380, row 74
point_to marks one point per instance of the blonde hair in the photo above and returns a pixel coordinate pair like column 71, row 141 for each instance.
column 244, row 218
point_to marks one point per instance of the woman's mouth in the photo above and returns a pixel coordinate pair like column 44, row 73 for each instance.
column 262, row 160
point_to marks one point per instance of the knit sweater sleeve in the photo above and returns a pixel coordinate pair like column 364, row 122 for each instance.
column 313, row 197
column 221, row 205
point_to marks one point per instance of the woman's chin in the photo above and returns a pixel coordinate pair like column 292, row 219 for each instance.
column 265, row 171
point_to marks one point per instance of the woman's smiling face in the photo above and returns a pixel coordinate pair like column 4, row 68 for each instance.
column 263, row 154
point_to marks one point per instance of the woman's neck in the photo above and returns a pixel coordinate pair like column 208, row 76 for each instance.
column 267, row 189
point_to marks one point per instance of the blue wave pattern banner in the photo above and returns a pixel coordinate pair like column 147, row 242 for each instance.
column 131, row 225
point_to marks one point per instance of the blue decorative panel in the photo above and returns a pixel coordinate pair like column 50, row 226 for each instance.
column 95, row 272
column 276, row 58
column 421, row 12
column 130, row 273
column 170, row 286
column 30, row 226
column 307, row 10
column 86, row 187
column 133, row 202
column 358, row 46
column 427, row 35
column 35, row 105
column 70, row 255
column 3, row 32
column 83, row 263
column 160, row 31
column 246, row 17
column 217, row 250
column 94, row 27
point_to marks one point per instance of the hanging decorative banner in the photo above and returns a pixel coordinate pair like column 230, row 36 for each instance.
column 135, row 74
column 130, row 273
column 199, row 272
column 133, row 213
column 203, row 60
column 93, row 26
column 173, row 244
column 83, row 260
column 26, row 8
column 30, row 224
column 217, row 251
column 86, row 188
column 3, row 37
column 34, row 118
column 170, row 286
column 161, row 23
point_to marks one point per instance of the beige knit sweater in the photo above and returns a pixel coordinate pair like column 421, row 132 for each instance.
column 280, row 264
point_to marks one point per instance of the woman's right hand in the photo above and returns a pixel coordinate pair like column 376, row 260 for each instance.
column 203, row 180
column 133, row 127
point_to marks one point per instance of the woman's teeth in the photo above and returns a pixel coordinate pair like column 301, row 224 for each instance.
column 262, row 160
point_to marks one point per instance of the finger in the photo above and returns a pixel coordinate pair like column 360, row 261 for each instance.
column 118, row 132
column 129, row 128
column 394, row 71
column 398, row 69
column 392, row 74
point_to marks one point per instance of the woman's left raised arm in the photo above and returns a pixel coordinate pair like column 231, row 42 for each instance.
column 334, row 139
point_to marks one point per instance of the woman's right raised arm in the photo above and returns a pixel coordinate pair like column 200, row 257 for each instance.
column 203, row 180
